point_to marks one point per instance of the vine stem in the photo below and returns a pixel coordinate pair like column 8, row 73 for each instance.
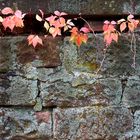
column 133, row 49
column 88, row 25
column 104, row 56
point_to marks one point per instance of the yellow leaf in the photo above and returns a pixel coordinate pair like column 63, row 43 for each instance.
column 1, row 19
column 66, row 28
column 46, row 25
column 38, row 18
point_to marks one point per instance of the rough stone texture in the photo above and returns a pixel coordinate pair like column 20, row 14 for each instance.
column 18, row 91
column 76, row 6
column 25, row 124
column 92, row 123
column 18, row 65
column 62, row 78
column 131, row 95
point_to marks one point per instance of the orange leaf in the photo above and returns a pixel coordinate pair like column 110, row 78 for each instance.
column 18, row 21
column 107, row 38
column 114, row 36
column 78, row 40
column 131, row 26
column 123, row 26
column 74, row 30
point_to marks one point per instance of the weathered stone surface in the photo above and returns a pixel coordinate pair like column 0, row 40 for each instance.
column 18, row 91
column 75, row 6
column 131, row 95
column 43, row 56
column 15, row 53
column 82, row 92
column 137, row 123
column 75, row 83
column 93, row 106
column 25, row 124
column 118, row 61
column 92, row 123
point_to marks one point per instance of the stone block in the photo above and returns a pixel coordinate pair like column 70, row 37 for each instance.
column 17, row 91
column 92, row 123
column 25, row 124
column 131, row 94
column 81, row 92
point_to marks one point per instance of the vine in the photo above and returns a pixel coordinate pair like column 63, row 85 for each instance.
column 56, row 24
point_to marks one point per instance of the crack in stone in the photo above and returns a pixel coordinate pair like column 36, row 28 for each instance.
column 38, row 105
column 123, row 83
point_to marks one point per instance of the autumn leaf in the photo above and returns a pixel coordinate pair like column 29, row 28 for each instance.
column 123, row 26
column 62, row 22
column 110, row 33
column 114, row 36
column 69, row 22
column 7, row 10
column 51, row 20
column 74, row 30
column 85, row 30
column 78, row 37
column 131, row 26
column 34, row 40
column 57, row 13
column 1, row 19
column 120, row 21
column 42, row 13
column 19, row 14
column 8, row 22
column 38, row 17
column 46, row 25
column 54, row 31
column 18, row 22
column 130, row 17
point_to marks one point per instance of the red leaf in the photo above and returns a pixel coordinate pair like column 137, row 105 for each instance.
column 34, row 40
column 85, row 30
column 18, row 13
column 57, row 13
column 42, row 13
column 105, row 27
column 7, row 10
column 8, row 22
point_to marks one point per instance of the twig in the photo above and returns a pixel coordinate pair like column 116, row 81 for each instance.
column 134, row 50
column 101, row 64
column 88, row 25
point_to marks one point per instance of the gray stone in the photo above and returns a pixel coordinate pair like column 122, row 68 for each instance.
column 107, row 123
column 25, row 124
column 19, row 91
column 83, row 93
column 74, row 6
column 131, row 95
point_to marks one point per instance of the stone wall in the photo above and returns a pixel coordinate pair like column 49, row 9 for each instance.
column 53, row 93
